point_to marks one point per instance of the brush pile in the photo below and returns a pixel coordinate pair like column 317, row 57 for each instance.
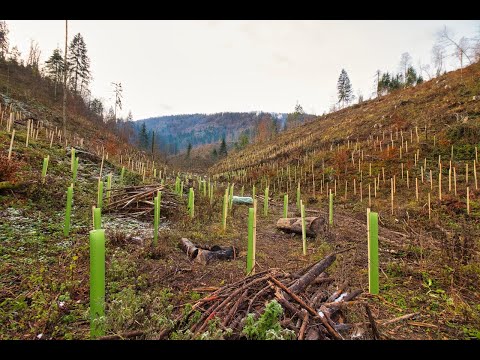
column 309, row 308
column 137, row 201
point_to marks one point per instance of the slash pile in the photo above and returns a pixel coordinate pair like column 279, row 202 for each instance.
column 137, row 201
column 309, row 309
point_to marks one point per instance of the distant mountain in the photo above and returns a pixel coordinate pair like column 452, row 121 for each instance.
column 174, row 132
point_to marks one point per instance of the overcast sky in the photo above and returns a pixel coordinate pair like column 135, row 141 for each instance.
column 180, row 67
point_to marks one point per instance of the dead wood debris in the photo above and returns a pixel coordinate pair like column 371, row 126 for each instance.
column 137, row 201
column 304, row 313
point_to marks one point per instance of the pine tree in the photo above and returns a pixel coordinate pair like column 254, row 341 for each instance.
column 411, row 78
column 78, row 63
column 344, row 88
column 96, row 107
column 189, row 149
column 214, row 153
column 223, row 148
column 54, row 68
column 143, row 137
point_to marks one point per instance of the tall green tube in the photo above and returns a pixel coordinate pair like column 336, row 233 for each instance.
column 224, row 210
column 122, row 174
column 72, row 159
column 230, row 200
column 181, row 189
column 68, row 210
column 191, row 201
column 304, row 235
column 204, row 188
column 100, row 193
column 330, row 209
column 250, row 240
column 285, row 205
column 265, row 202
column 97, row 282
column 75, row 169
column 156, row 218
column 109, row 187
column 373, row 253
column 44, row 168
column 253, row 192
column 97, row 218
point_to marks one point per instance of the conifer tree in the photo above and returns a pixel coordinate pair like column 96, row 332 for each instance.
column 344, row 88
column 54, row 68
column 78, row 63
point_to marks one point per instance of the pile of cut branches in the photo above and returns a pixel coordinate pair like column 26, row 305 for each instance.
column 309, row 308
column 137, row 201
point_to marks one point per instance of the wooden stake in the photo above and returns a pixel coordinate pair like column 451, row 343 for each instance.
column 416, row 188
column 440, row 183
column 391, row 193
column 11, row 146
column 429, row 207
column 468, row 200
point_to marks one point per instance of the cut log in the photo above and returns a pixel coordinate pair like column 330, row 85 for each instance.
column 313, row 225
column 205, row 254
column 190, row 249
column 301, row 284
column 242, row 200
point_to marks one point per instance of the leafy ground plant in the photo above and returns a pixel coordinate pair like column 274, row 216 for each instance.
column 267, row 327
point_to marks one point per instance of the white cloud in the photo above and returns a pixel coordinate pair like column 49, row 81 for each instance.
column 215, row 66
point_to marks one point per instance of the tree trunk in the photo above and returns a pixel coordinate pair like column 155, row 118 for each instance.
column 187, row 246
column 313, row 225
column 205, row 254
column 301, row 284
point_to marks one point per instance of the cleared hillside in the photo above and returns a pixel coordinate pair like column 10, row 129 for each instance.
column 412, row 158
column 436, row 105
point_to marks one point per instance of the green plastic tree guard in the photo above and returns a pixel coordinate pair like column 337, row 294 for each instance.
column 109, row 187
column 330, row 209
column 97, row 282
column 100, row 193
column 250, row 240
column 373, row 253
column 72, row 159
column 44, row 168
column 224, row 210
column 66, row 228
column 75, row 169
column 191, row 201
column 97, row 218
column 156, row 218
column 285, row 205
column 122, row 174
column 304, row 234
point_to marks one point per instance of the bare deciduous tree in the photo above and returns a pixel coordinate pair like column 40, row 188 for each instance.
column 34, row 56
column 461, row 47
column 438, row 56
column 405, row 63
